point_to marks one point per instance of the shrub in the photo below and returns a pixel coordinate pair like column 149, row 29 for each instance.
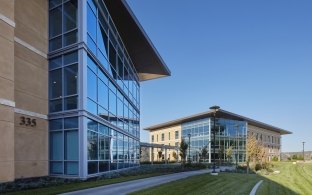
column 275, row 158
column 196, row 165
column 258, row 167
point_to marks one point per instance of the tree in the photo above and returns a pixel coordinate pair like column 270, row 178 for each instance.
column 183, row 151
column 263, row 153
column 252, row 150
column 255, row 151
column 159, row 154
column 204, row 152
column 229, row 153
column 175, row 156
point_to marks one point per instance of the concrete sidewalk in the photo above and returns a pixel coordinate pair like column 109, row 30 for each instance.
column 135, row 185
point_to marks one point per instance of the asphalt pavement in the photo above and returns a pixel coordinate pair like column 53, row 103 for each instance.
column 135, row 185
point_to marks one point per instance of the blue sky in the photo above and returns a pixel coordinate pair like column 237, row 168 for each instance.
column 253, row 58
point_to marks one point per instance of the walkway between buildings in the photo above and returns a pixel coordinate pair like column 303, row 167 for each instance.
column 135, row 185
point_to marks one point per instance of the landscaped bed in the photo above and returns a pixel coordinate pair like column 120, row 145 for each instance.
column 51, row 185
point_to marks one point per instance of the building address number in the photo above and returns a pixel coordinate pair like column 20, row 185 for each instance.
column 28, row 121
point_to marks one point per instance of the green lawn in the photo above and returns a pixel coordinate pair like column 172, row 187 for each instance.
column 224, row 183
column 292, row 179
column 81, row 185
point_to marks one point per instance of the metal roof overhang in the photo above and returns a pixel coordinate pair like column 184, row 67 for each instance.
column 220, row 114
column 143, row 54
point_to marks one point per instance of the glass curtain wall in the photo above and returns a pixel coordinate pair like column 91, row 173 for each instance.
column 199, row 131
column 112, row 94
column 62, row 23
column 113, row 85
column 63, row 88
column 63, row 82
column 109, row 150
column 63, row 137
column 229, row 134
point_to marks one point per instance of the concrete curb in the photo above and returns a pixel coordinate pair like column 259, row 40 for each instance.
column 255, row 188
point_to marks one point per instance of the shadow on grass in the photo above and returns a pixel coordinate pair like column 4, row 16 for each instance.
column 271, row 187
column 224, row 183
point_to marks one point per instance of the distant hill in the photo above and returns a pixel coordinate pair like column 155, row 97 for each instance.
column 286, row 155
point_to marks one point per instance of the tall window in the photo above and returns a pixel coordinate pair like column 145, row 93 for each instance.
column 162, row 137
column 176, row 134
column 64, row 150
column 169, row 135
column 63, row 82
column 152, row 138
column 62, row 23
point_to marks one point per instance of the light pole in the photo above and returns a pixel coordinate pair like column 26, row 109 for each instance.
column 215, row 110
column 189, row 136
column 303, row 150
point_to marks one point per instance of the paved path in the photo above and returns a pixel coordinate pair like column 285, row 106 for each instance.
column 255, row 188
column 135, row 185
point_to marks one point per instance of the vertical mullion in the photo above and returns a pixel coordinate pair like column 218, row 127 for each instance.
column 63, row 149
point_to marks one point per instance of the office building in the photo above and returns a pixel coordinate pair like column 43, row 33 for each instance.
column 231, row 131
column 70, row 73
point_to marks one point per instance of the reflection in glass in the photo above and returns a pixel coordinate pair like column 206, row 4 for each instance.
column 71, row 145
column 56, row 167
column 55, row 43
column 93, row 167
column 92, row 85
column 92, row 125
column 91, row 18
column 71, row 79
column 55, row 105
column 71, row 168
column 112, row 102
column 71, row 123
column 102, row 40
column 56, row 145
column 70, row 15
column 92, row 145
column 103, row 94
column 103, row 166
column 56, row 83
column 56, row 124
column 70, row 38
column 55, row 22
column 92, row 107
column 55, row 63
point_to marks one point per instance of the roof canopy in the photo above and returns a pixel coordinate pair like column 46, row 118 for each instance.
column 220, row 114
column 145, row 57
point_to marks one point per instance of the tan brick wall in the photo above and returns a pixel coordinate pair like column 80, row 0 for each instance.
column 31, row 148
column 24, row 85
column 167, row 141
column 7, row 91
column 273, row 148
column 31, row 87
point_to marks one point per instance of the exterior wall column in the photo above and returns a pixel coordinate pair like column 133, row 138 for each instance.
column 153, row 155
column 7, row 84
column 209, row 141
